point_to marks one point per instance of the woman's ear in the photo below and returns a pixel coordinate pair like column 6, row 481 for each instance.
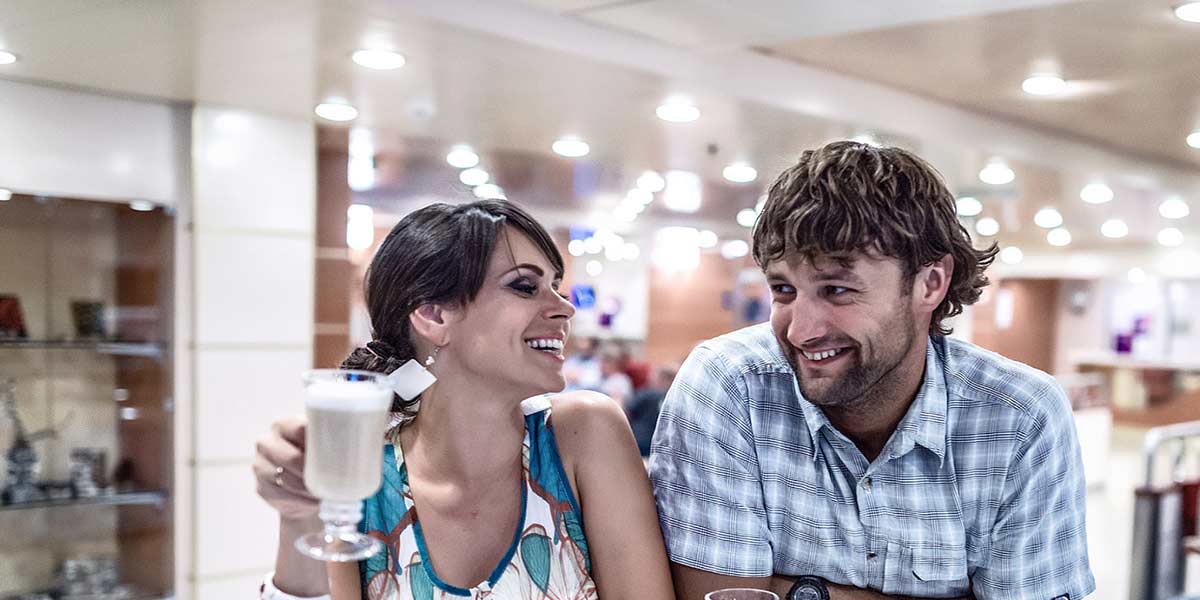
column 431, row 321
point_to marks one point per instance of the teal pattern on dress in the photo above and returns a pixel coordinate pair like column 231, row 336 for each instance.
column 548, row 558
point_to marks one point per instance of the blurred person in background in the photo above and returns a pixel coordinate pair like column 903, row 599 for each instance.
column 642, row 410
column 513, row 503
column 582, row 368
column 614, row 382
column 848, row 449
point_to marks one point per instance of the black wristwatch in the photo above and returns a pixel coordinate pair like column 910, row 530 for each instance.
column 808, row 588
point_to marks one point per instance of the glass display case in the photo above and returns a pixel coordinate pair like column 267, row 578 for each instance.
column 85, row 399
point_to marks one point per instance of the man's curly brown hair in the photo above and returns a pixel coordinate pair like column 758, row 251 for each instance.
column 847, row 196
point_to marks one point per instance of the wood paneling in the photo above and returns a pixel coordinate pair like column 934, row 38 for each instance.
column 1031, row 335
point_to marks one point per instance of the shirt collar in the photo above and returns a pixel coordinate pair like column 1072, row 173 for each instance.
column 924, row 424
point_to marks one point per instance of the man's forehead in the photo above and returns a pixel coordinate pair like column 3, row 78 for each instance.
column 853, row 261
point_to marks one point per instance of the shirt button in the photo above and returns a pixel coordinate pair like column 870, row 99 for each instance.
column 871, row 556
column 866, row 483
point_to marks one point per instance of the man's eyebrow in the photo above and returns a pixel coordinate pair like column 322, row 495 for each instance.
column 838, row 273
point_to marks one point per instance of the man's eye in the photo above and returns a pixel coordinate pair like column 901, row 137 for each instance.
column 782, row 289
column 837, row 290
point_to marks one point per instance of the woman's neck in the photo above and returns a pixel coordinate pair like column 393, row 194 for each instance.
column 464, row 433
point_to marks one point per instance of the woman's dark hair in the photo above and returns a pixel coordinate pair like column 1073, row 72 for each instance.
column 436, row 255
column 848, row 196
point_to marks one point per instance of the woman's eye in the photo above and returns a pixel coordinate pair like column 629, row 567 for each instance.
column 523, row 286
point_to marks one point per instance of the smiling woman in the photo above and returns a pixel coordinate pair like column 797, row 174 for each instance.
column 472, row 292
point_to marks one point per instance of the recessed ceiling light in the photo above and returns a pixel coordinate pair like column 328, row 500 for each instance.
column 474, row 177
column 651, row 181
column 1011, row 255
column 1048, row 218
column 1188, row 11
column 380, row 60
column 1174, row 208
column 735, row 249
column 1114, row 228
column 462, row 157
column 1136, row 275
column 7, row 58
column 640, row 196
column 576, row 248
column 5, row 195
column 1193, row 139
column 996, row 172
column 571, row 147
column 1059, row 237
column 683, row 191
column 677, row 111
column 707, row 239
column 1096, row 193
column 746, row 217
column 489, row 191
column 630, row 251
column 740, row 173
column 594, row 268
column 987, row 226
column 1170, row 237
column 336, row 111
column 141, row 205
column 968, row 206
column 1044, row 84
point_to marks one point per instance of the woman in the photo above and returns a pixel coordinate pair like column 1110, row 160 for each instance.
column 513, row 503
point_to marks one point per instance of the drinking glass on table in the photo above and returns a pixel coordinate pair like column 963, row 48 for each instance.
column 343, row 457
column 741, row 594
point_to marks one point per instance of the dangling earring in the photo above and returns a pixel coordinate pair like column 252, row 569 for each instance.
column 432, row 357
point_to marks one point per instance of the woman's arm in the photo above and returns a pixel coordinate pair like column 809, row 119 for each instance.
column 619, row 517
column 344, row 581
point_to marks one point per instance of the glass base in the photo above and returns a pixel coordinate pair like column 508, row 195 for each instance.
column 347, row 546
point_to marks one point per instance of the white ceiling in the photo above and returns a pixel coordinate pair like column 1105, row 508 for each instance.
column 510, row 77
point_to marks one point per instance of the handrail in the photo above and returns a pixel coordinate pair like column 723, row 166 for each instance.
column 1157, row 436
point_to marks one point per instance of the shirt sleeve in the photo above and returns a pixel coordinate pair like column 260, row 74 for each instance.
column 1038, row 542
column 705, row 472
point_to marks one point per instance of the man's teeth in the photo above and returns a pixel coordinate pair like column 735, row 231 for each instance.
column 821, row 355
column 546, row 345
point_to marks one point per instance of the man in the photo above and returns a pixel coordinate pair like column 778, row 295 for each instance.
column 848, row 449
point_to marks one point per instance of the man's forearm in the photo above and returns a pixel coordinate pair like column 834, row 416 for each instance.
column 781, row 584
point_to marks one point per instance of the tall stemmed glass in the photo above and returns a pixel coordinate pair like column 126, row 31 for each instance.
column 347, row 415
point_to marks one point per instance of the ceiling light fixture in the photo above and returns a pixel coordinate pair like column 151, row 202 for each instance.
column 7, row 58
column 1174, row 208
column 1193, row 139
column 489, row 191
column 380, row 60
column 462, row 157
column 1044, row 84
column 1096, row 193
column 746, row 217
column 1188, row 11
column 5, row 195
column 474, row 177
column 677, row 111
column 1011, row 255
column 571, row 147
column 651, row 181
column 735, row 249
column 1114, row 228
column 996, row 172
column 740, row 173
column 987, row 226
column 594, row 268
column 1048, row 218
column 1170, row 237
column 707, row 239
column 142, row 205
column 968, row 206
column 336, row 111
column 1059, row 237
column 1137, row 275
column 683, row 191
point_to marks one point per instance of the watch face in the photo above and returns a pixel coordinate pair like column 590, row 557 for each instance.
column 807, row 592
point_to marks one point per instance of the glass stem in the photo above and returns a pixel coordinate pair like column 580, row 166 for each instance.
column 340, row 517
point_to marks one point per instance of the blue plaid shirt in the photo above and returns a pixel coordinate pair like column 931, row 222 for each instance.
column 980, row 489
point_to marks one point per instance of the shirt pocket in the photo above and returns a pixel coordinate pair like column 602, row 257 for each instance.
column 926, row 571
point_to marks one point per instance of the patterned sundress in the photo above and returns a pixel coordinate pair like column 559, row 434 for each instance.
column 548, row 558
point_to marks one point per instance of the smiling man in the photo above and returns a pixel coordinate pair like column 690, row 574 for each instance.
column 848, row 449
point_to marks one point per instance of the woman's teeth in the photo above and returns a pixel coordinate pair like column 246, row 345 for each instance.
column 550, row 346
column 822, row 355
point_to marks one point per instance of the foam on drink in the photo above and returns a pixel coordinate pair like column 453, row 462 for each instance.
column 344, row 439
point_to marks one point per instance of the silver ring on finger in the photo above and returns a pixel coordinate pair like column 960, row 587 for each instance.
column 279, row 476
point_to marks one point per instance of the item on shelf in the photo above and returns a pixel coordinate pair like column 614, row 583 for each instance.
column 93, row 579
column 12, row 324
column 88, row 471
column 57, row 490
column 89, row 319
column 22, row 460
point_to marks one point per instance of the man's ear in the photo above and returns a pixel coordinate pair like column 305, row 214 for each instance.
column 932, row 283
column 432, row 321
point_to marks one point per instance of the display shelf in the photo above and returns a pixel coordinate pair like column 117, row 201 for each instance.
column 148, row 349
column 151, row 497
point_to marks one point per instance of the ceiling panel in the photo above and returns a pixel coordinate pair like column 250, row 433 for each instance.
column 1135, row 81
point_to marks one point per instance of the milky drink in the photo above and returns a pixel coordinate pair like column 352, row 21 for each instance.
column 344, row 441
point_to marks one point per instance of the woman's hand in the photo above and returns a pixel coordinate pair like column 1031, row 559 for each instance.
column 279, row 470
